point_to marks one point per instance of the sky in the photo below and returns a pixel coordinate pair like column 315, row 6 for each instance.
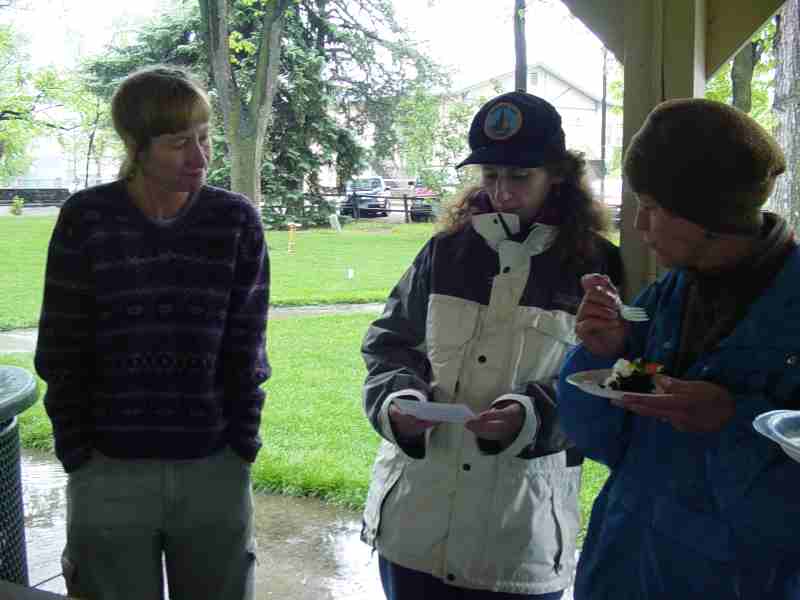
column 473, row 37
column 61, row 30
column 476, row 38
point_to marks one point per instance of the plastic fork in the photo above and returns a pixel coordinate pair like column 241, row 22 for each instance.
column 635, row 314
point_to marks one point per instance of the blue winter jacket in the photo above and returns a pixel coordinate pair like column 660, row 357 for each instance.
column 695, row 515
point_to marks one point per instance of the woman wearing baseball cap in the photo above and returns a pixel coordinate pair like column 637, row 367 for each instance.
column 486, row 508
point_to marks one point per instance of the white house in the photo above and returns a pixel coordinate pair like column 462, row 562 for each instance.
column 580, row 109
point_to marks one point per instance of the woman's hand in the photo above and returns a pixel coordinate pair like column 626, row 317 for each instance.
column 598, row 324
column 501, row 423
column 697, row 406
column 407, row 426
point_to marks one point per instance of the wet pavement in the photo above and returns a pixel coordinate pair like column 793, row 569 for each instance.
column 307, row 550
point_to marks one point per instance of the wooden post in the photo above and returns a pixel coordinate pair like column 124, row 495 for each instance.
column 520, row 47
column 405, row 208
column 664, row 58
column 292, row 234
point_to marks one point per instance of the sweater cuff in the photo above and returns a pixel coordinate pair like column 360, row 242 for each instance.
column 526, row 435
column 414, row 448
column 247, row 449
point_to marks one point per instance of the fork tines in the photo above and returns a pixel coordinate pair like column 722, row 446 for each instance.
column 633, row 313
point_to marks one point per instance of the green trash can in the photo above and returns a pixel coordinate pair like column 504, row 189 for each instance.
column 17, row 393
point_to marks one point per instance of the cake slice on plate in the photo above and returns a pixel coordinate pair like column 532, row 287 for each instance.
column 633, row 376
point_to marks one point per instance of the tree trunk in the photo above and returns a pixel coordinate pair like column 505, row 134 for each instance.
column 786, row 199
column 245, row 122
column 742, row 75
column 520, row 48
column 603, row 123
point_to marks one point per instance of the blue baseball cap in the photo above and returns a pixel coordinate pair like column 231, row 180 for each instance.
column 516, row 129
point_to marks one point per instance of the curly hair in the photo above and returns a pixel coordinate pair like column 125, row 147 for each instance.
column 582, row 215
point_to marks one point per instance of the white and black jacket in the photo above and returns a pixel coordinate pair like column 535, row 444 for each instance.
column 478, row 316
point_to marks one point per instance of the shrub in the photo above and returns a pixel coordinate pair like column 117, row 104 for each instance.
column 17, row 203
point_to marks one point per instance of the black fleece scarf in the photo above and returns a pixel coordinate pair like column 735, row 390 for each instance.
column 717, row 301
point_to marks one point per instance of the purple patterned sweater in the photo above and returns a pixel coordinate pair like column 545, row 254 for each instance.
column 152, row 335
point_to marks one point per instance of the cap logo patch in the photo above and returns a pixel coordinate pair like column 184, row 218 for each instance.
column 502, row 121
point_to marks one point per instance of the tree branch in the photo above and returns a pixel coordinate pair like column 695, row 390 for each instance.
column 215, row 18
column 268, row 59
column 27, row 116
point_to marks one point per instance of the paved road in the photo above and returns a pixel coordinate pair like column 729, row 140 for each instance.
column 34, row 211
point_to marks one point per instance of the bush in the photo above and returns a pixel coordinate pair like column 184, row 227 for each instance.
column 306, row 209
column 17, row 203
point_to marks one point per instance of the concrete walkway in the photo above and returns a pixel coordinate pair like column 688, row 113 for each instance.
column 24, row 340
column 18, row 340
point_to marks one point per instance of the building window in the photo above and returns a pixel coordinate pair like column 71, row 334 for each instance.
column 533, row 79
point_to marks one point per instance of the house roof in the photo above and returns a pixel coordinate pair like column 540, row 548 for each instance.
column 540, row 66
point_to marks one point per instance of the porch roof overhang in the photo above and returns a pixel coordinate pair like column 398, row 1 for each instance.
column 669, row 49
column 729, row 25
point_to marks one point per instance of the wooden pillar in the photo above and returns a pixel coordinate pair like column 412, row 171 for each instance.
column 664, row 58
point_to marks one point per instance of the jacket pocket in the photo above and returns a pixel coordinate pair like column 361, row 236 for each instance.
column 567, row 517
column 544, row 341
column 452, row 323
column 536, row 519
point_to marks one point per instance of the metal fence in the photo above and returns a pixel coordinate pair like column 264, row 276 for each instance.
column 415, row 208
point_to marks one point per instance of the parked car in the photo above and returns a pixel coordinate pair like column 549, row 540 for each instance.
column 368, row 206
column 426, row 208
column 373, row 195
column 420, row 191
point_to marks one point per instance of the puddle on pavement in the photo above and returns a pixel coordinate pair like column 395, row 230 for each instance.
column 308, row 550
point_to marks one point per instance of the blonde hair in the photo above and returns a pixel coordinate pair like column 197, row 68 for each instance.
column 154, row 101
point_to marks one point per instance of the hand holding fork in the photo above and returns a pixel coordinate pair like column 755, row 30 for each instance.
column 634, row 314
column 602, row 322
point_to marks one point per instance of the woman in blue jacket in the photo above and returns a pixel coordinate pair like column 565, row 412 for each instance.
column 698, row 505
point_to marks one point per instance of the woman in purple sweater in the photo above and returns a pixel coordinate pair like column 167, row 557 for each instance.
column 152, row 343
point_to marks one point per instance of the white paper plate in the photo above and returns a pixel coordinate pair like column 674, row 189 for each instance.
column 591, row 383
column 783, row 428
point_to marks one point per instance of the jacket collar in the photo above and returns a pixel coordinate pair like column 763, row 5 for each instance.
column 490, row 227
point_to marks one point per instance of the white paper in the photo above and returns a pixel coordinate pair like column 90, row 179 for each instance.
column 435, row 411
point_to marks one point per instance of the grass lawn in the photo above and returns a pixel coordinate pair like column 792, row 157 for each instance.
column 23, row 251
column 314, row 273
column 317, row 441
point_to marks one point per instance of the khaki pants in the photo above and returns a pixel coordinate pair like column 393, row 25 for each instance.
column 125, row 516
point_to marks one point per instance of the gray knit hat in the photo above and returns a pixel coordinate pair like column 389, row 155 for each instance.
column 707, row 162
